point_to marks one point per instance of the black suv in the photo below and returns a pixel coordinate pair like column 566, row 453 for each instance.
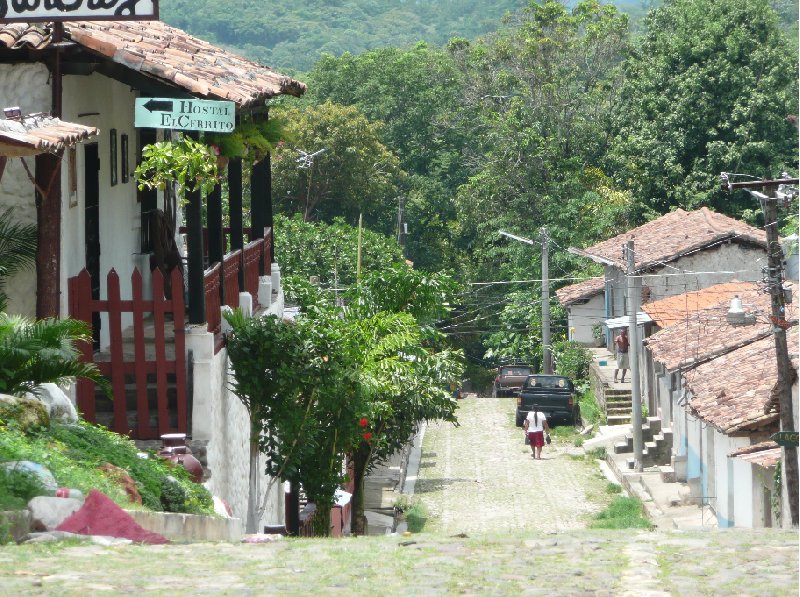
column 553, row 395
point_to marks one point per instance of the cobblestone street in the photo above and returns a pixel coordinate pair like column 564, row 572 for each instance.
column 479, row 477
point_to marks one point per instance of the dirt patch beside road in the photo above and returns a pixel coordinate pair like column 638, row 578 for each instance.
column 479, row 477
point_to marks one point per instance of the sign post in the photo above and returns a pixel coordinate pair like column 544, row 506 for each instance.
column 786, row 438
column 185, row 114
column 78, row 10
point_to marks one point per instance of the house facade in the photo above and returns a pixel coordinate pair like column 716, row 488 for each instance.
column 711, row 384
column 107, row 237
column 677, row 253
column 586, row 309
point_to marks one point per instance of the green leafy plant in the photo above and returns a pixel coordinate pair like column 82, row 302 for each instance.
column 251, row 140
column 37, row 352
column 572, row 359
column 17, row 487
column 188, row 162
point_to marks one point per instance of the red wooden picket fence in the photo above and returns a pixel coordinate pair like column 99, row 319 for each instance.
column 148, row 371
column 212, row 282
column 230, row 276
column 251, row 260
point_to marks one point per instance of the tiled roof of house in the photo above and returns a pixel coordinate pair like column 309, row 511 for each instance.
column 581, row 291
column 671, row 236
column 765, row 454
column 733, row 392
column 40, row 133
column 675, row 309
column 706, row 333
column 24, row 35
column 168, row 54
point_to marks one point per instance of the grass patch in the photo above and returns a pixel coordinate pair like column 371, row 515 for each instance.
column 622, row 513
column 613, row 488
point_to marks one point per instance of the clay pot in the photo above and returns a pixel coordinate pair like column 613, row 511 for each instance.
column 174, row 448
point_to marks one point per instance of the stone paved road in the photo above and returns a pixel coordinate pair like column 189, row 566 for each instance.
column 480, row 477
column 610, row 563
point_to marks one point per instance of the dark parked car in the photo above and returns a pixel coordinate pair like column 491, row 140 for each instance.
column 509, row 379
column 553, row 395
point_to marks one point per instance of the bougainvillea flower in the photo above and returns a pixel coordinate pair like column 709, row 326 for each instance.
column 367, row 436
column 363, row 422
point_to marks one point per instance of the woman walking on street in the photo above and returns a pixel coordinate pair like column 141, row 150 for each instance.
column 536, row 426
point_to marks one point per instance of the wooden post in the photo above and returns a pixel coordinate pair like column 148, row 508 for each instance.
column 215, row 234
column 786, row 374
column 196, row 266
column 235, row 208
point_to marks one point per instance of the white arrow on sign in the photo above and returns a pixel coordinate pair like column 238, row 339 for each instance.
column 185, row 114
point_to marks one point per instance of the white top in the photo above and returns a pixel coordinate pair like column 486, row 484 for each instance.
column 535, row 421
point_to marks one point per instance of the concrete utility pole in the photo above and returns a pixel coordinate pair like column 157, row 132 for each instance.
column 547, row 355
column 634, row 295
column 786, row 374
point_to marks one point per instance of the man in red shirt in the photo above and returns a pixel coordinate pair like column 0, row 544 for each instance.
column 622, row 344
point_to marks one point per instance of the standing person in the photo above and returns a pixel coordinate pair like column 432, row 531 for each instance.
column 622, row 344
column 536, row 426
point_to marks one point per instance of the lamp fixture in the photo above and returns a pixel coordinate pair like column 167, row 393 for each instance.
column 13, row 113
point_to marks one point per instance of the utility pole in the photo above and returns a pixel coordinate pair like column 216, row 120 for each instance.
column 634, row 294
column 786, row 374
column 547, row 356
column 401, row 204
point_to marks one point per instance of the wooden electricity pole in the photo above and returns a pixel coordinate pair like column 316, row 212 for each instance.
column 786, row 374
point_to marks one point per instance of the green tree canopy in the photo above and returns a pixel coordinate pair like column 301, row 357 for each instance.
column 710, row 87
column 356, row 173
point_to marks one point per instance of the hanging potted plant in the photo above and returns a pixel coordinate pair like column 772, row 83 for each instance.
column 193, row 165
column 250, row 140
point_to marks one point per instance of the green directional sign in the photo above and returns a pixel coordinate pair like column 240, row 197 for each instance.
column 185, row 114
column 786, row 439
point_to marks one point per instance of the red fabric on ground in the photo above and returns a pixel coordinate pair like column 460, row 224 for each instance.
column 101, row 516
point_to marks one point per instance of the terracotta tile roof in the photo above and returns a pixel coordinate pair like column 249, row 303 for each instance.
column 671, row 236
column 706, row 333
column 24, row 35
column 581, row 291
column 675, row 309
column 168, row 54
column 766, row 457
column 733, row 391
column 759, row 447
column 40, row 133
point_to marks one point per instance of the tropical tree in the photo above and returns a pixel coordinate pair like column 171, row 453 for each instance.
column 710, row 87
column 356, row 174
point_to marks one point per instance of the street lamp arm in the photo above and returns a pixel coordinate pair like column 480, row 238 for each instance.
column 519, row 238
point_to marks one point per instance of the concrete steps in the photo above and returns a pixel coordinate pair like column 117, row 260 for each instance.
column 656, row 445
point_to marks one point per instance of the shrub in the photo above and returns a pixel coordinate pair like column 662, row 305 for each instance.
column 571, row 359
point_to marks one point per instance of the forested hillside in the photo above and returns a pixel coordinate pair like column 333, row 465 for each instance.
column 291, row 34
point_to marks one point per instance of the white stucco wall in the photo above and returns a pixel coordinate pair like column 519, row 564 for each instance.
column 219, row 417
column 744, row 262
column 25, row 86
column 733, row 483
column 581, row 317
column 105, row 104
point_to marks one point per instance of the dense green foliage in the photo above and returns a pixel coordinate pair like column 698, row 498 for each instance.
column 292, row 34
column 73, row 454
column 344, row 381
column 622, row 513
column 707, row 89
column 330, row 251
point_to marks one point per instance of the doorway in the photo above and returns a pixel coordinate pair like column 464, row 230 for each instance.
column 91, row 171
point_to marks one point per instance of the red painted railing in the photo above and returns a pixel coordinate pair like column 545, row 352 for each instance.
column 231, row 264
column 157, row 355
column 212, row 282
column 251, row 262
